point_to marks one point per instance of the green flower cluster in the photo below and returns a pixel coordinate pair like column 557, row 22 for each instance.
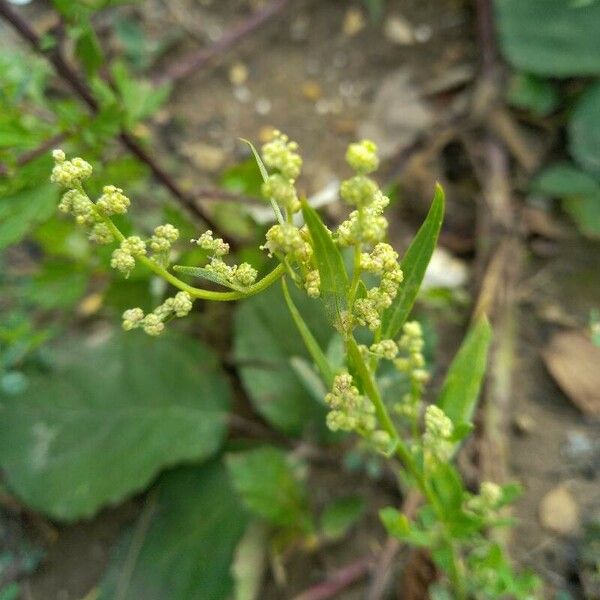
column 154, row 323
column 243, row 274
column 437, row 439
column 412, row 363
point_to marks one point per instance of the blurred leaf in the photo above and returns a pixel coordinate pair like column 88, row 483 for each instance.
column 23, row 209
column 584, row 128
column 398, row 526
column 263, row 348
column 446, row 484
column 414, row 264
column 250, row 561
column 266, row 482
column 310, row 342
column 550, row 37
column 243, row 178
column 140, row 98
column 460, row 391
column 579, row 191
column 341, row 515
column 87, row 48
column 183, row 543
column 334, row 279
column 107, row 419
column 532, row 93
column 59, row 284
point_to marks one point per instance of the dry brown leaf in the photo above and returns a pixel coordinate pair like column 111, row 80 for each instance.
column 574, row 362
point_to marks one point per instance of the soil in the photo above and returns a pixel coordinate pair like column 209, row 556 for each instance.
column 310, row 78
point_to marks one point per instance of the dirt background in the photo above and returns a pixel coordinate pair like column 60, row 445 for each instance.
column 317, row 72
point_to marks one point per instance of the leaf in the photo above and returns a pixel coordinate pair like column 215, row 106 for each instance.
column 549, row 37
column 267, row 484
column 579, row 191
column 184, row 542
column 23, row 209
column 398, row 526
column 250, row 562
column 309, row 339
column 104, row 422
column 563, row 179
column 265, row 175
column 460, row 391
column 532, row 93
column 206, row 274
column 414, row 265
column 265, row 340
column 584, row 129
column 334, row 279
column 87, row 48
column 340, row 515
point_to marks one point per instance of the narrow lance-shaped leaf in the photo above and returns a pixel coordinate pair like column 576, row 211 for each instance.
column 309, row 339
column 460, row 391
column 334, row 279
column 414, row 265
column 208, row 275
column 265, row 175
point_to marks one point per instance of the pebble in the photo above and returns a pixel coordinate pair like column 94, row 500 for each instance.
column 311, row 90
column 399, row 31
column 354, row 22
column 204, row 156
column 263, row 106
column 423, row 33
column 523, row 424
column 242, row 94
column 558, row 511
column 238, row 73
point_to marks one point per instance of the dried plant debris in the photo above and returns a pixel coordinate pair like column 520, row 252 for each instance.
column 573, row 361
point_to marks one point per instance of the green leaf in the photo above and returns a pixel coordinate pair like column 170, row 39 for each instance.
column 334, row 279
column 250, row 561
column 269, row 487
column 265, row 340
column 206, row 274
column 265, row 175
column 398, row 526
column 309, row 339
column 104, row 422
column 549, row 37
column 414, row 265
column 22, row 210
column 579, row 191
column 460, row 391
column 340, row 515
column 88, row 49
column 446, row 484
column 584, row 129
column 532, row 93
column 183, row 544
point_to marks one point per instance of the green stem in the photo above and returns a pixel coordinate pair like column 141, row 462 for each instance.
column 356, row 271
column 456, row 573
column 195, row 292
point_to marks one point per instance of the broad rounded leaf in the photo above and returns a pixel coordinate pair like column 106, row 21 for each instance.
column 266, row 338
column 105, row 421
column 184, row 542
column 584, row 130
column 550, row 37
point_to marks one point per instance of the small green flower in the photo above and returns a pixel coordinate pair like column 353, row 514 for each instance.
column 362, row 156
column 113, row 201
column 280, row 153
column 69, row 173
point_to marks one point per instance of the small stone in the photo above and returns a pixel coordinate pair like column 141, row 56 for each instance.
column 238, row 73
column 205, row 157
column 242, row 94
column 354, row 22
column 523, row 424
column 266, row 134
column 558, row 512
column 311, row 90
column 423, row 33
column 263, row 106
column 399, row 31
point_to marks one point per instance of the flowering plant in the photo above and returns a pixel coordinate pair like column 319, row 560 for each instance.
column 368, row 304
